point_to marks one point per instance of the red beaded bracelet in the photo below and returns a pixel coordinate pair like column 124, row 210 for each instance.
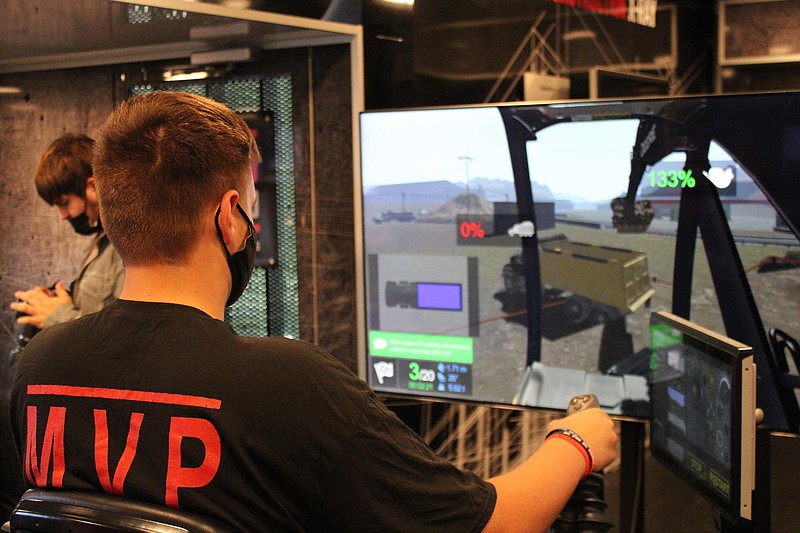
column 572, row 437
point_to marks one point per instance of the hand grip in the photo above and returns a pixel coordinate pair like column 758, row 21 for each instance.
column 581, row 403
column 586, row 508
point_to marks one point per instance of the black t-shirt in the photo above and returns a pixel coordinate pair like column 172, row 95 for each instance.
column 163, row 403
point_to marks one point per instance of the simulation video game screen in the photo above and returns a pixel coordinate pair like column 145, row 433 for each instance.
column 513, row 254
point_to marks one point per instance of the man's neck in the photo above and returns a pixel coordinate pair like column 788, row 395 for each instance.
column 196, row 284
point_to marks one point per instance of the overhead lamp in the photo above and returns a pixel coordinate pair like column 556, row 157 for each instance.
column 183, row 72
column 10, row 90
column 185, row 75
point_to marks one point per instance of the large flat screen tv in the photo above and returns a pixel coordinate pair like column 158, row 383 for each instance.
column 513, row 253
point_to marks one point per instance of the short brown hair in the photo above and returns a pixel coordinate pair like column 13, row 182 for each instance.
column 162, row 159
column 64, row 167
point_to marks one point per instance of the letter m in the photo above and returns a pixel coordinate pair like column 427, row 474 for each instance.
column 37, row 466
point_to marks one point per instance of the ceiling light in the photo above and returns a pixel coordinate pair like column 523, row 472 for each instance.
column 185, row 75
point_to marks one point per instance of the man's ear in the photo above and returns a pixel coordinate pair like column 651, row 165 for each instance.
column 91, row 190
column 227, row 216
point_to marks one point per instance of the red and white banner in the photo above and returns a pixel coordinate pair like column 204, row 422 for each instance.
column 641, row 12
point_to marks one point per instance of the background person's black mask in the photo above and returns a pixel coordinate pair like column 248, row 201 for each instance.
column 82, row 226
column 241, row 263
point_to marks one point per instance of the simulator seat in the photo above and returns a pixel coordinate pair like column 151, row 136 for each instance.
column 53, row 511
column 785, row 347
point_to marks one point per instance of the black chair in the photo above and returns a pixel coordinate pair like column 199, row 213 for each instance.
column 53, row 511
column 786, row 348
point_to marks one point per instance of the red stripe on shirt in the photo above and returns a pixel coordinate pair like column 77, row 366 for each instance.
column 123, row 394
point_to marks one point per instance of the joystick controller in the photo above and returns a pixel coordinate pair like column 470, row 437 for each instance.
column 585, row 510
column 581, row 403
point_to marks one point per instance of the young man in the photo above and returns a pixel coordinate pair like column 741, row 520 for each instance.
column 156, row 398
column 64, row 179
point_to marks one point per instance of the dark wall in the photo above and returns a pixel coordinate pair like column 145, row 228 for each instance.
column 325, row 229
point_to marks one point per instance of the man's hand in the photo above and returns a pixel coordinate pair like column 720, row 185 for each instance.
column 38, row 303
column 596, row 429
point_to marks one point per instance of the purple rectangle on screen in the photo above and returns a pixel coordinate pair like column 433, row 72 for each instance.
column 446, row 296
column 677, row 396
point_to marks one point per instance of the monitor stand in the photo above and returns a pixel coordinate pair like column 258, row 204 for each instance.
column 631, row 476
column 632, row 502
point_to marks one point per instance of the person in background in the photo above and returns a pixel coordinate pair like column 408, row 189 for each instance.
column 64, row 180
column 157, row 398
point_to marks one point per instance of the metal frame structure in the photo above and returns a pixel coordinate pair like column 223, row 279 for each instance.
column 543, row 49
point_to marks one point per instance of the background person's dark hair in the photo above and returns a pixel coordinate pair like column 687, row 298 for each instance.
column 162, row 160
column 64, row 167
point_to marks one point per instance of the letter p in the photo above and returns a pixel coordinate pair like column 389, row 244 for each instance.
column 190, row 477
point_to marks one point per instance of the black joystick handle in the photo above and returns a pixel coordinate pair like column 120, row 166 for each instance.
column 581, row 403
column 585, row 511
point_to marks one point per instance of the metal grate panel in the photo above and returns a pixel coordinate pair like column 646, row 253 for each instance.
column 140, row 89
column 249, row 316
column 283, row 282
column 243, row 96
column 198, row 88
column 138, row 14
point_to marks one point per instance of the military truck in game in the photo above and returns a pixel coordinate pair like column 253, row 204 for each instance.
column 594, row 284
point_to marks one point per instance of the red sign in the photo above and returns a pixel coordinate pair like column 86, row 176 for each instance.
column 637, row 11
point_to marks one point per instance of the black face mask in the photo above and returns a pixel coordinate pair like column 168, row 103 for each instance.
column 241, row 263
column 82, row 226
